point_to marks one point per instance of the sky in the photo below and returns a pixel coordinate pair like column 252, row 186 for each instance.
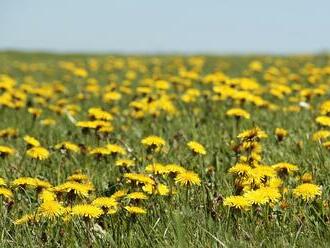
column 166, row 26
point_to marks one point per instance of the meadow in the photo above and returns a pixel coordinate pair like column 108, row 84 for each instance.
column 164, row 151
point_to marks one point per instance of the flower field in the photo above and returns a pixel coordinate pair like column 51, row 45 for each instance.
column 164, row 151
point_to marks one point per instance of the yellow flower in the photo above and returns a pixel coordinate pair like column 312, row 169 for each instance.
column 153, row 142
column 174, row 168
column 252, row 134
column 159, row 189
column 36, row 112
column 323, row 120
column 2, row 182
column 48, row 122
column 321, row 135
column 125, row 163
column 51, row 209
column 263, row 195
column 78, row 188
column 6, row 193
column 78, row 177
column 115, row 149
column 87, row 211
column 239, row 202
column 307, row 178
column 8, row 133
column 307, row 191
column 187, row 178
column 139, row 178
column 196, row 147
column 156, row 168
column 38, row 152
column 108, row 202
column 119, row 194
column 31, row 182
column 281, row 133
column 135, row 210
column 99, row 114
column 47, row 195
column 5, row 151
column 68, row 146
column 31, row 141
column 27, row 218
column 238, row 112
column 137, row 196
column 240, row 169
column 285, row 168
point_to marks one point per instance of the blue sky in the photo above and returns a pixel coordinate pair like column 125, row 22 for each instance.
column 152, row 26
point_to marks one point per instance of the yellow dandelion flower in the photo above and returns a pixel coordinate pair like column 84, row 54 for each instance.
column 99, row 114
column 68, row 146
column 240, row 169
column 285, row 168
column 48, row 122
column 125, row 163
column 139, row 178
column 5, row 151
column 47, row 195
column 31, row 141
column 252, row 134
column 153, row 142
column 135, row 210
column 78, row 177
column 307, row 178
column 115, row 149
column 27, row 218
column 6, row 193
column 307, row 191
column 87, row 211
column 38, row 152
column 9, row 133
column 323, row 120
column 80, row 189
column 238, row 112
column 159, row 189
column 174, row 168
column 31, row 182
column 107, row 202
column 239, row 202
column 188, row 178
column 137, row 196
column 51, row 209
column 281, row 133
column 196, row 147
column 119, row 194
column 2, row 182
column 156, row 168
column 321, row 135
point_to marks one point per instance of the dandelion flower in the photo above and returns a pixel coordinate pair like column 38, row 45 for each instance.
column 238, row 112
column 187, row 178
column 153, row 142
column 135, row 210
column 196, row 147
column 51, row 209
column 238, row 202
column 87, row 211
column 6, row 193
column 31, row 141
column 5, row 151
column 307, row 191
column 38, row 153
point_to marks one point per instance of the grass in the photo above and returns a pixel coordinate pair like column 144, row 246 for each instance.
column 195, row 216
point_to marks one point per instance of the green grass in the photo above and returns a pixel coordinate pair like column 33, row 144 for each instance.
column 195, row 217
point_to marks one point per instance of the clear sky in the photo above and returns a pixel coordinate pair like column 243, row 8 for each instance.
column 151, row 26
